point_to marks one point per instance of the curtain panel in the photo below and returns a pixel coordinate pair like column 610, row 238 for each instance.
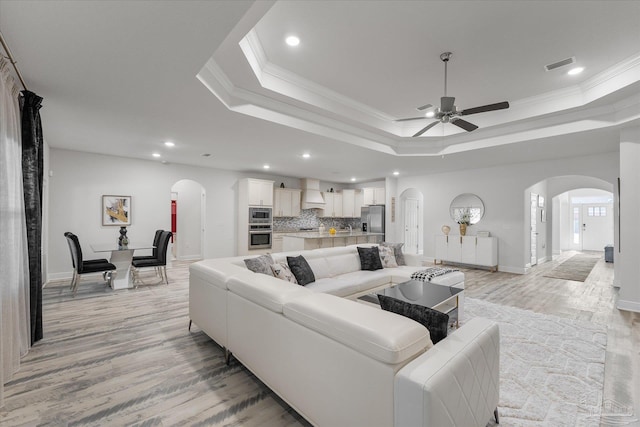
column 32, row 165
column 14, row 276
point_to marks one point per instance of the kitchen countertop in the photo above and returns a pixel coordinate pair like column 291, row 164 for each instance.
column 318, row 235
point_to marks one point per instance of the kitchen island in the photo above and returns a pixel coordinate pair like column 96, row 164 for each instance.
column 315, row 240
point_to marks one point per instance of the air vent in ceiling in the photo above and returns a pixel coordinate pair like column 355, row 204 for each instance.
column 559, row 64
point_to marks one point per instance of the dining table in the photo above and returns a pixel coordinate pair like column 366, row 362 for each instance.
column 121, row 257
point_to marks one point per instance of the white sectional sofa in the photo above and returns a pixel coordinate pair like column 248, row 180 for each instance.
column 340, row 362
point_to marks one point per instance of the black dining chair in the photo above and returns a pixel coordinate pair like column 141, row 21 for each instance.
column 156, row 242
column 81, row 266
column 160, row 262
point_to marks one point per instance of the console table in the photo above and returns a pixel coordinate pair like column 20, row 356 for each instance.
column 473, row 250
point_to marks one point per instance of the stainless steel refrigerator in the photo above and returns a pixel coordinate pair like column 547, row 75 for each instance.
column 373, row 217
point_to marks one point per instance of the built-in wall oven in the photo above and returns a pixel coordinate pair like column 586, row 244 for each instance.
column 260, row 216
column 260, row 236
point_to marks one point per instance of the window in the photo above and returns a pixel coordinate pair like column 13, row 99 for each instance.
column 576, row 225
column 597, row 211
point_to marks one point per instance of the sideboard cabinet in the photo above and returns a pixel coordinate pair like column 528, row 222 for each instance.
column 472, row 250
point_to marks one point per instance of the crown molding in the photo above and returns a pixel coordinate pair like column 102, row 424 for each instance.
column 324, row 112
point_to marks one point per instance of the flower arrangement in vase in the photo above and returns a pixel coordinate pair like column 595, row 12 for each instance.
column 464, row 220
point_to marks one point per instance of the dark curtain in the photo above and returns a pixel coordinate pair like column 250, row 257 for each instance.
column 32, row 164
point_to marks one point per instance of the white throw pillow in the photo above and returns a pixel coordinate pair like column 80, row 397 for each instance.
column 282, row 271
column 387, row 256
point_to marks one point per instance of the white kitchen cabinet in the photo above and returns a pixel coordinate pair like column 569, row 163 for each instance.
column 332, row 205
column 472, row 250
column 351, row 203
column 260, row 192
column 277, row 242
column 374, row 196
column 286, row 202
column 358, row 203
column 348, row 203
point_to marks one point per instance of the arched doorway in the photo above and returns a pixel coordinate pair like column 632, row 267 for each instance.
column 411, row 203
column 188, row 201
column 550, row 218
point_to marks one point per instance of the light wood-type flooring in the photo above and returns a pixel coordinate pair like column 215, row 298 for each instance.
column 126, row 358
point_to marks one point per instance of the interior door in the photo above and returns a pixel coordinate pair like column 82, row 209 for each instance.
column 534, row 229
column 597, row 226
column 411, row 229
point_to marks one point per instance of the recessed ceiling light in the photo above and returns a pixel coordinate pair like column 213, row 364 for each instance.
column 169, row 144
column 306, row 155
column 266, row 166
column 396, row 173
column 353, row 179
column 292, row 41
column 430, row 114
column 156, row 154
column 574, row 71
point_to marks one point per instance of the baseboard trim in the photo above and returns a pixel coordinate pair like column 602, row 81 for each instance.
column 67, row 275
column 514, row 270
column 628, row 305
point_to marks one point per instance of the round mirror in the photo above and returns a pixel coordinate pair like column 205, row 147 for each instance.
column 467, row 209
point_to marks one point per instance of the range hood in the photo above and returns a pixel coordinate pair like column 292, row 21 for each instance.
column 311, row 197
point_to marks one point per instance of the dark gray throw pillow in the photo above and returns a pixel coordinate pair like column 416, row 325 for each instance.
column 436, row 322
column 261, row 264
column 397, row 251
column 301, row 270
column 369, row 258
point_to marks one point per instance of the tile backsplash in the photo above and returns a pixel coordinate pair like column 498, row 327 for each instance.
column 308, row 219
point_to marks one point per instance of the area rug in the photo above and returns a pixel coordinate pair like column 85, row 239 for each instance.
column 576, row 268
column 551, row 368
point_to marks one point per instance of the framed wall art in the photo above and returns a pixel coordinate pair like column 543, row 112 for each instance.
column 116, row 210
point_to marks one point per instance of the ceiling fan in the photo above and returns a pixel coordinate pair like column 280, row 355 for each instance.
column 447, row 112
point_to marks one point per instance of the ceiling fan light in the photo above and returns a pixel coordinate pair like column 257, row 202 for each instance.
column 575, row 71
column 430, row 114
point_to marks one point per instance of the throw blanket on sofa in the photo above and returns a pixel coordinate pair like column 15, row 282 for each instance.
column 431, row 272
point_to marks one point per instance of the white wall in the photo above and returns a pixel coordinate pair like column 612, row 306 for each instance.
column 502, row 190
column 629, row 244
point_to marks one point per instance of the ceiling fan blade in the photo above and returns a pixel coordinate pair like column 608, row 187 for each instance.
column 464, row 125
column 485, row 108
column 424, row 107
column 446, row 103
column 410, row 118
column 426, row 128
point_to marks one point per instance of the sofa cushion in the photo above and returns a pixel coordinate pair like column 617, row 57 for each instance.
column 320, row 267
column 344, row 263
column 397, row 250
column 436, row 322
column 387, row 257
column 216, row 271
column 365, row 279
column 369, row 258
column 301, row 269
column 337, row 286
column 260, row 264
column 282, row 271
column 384, row 336
column 265, row 291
